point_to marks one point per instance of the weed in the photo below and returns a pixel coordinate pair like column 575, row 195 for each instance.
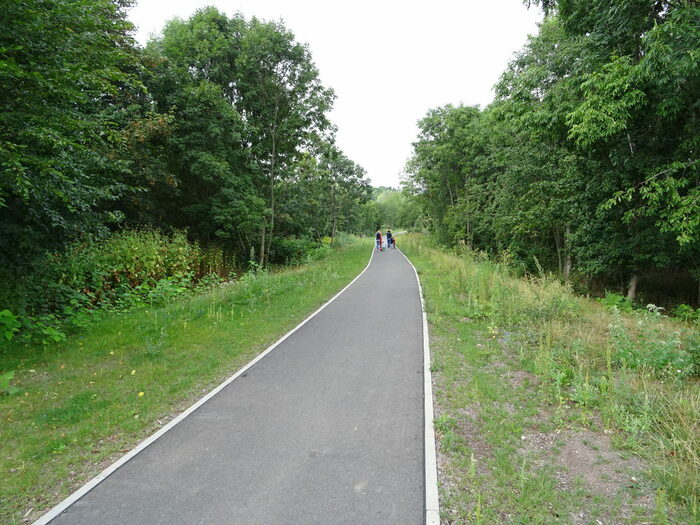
column 9, row 325
column 554, row 360
column 616, row 302
column 652, row 350
column 5, row 387
column 686, row 313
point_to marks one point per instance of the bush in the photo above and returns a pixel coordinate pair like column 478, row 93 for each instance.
column 652, row 350
column 9, row 325
column 686, row 313
column 295, row 250
column 102, row 273
column 340, row 239
column 128, row 269
column 615, row 301
column 213, row 260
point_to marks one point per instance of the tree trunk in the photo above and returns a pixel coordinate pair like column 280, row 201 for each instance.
column 632, row 287
column 449, row 189
column 335, row 213
column 261, row 259
column 568, row 262
column 244, row 245
column 629, row 142
column 558, row 243
column 272, row 216
column 272, row 175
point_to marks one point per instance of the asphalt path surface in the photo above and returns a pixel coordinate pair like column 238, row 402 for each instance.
column 327, row 428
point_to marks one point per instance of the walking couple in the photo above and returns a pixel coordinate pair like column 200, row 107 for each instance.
column 380, row 244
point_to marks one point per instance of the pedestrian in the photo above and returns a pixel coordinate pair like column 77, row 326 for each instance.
column 389, row 239
column 378, row 240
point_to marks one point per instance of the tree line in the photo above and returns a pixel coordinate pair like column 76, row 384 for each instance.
column 586, row 162
column 219, row 125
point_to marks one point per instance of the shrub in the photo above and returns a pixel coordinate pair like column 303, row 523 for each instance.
column 660, row 353
column 686, row 313
column 214, row 260
column 5, row 387
column 615, row 301
column 9, row 325
column 94, row 274
column 295, row 250
column 127, row 269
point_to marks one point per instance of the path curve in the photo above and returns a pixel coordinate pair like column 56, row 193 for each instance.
column 327, row 428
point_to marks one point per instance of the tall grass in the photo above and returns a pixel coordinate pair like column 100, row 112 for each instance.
column 637, row 372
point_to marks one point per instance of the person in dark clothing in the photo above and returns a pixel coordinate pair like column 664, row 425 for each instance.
column 389, row 239
column 378, row 240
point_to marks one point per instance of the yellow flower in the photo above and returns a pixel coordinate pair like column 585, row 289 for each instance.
column 140, row 394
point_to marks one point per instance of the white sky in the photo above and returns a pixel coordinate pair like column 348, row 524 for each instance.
column 388, row 61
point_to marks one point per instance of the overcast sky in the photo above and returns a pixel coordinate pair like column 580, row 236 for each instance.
column 387, row 61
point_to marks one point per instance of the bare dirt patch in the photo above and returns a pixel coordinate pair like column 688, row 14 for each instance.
column 518, row 378
column 586, row 458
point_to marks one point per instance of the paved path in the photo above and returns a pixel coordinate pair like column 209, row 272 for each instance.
column 327, row 428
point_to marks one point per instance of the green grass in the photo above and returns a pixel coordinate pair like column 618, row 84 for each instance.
column 87, row 401
column 541, row 414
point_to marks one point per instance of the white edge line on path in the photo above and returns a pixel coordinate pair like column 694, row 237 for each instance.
column 75, row 496
column 432, row 502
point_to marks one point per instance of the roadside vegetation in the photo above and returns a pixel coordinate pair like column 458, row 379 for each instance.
column 128, row 171
column 72, row 407
column 586, row 162
column 552, row 408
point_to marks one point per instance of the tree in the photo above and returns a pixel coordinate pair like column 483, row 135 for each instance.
column 280, row 97
column 69, row 74
column 588, row 155
column 324, row 196
column 248, row 107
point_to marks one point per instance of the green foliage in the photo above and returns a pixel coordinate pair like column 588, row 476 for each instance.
column 686, row 313
column 67, row 68
column 219, row 126
column 587, row 159
column 558, row 364
column 99, row 273
column 396, row 210
column 9, row 325
column 647, row 350
column 326, row 196
column 128, row 269
column 251, row 142
column 615, row 301
column 294, row 251
column 609, row 99
column 43, row 329
column 5, row 387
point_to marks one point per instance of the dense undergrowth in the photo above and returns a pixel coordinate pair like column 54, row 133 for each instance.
column 628, row 374
column 71, row 408
column 64, row 291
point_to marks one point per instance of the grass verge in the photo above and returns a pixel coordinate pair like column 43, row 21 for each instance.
column 551, row 408
column 87, row 401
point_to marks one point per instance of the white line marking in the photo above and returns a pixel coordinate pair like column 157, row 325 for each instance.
column 432, row 501
column 75, row 496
